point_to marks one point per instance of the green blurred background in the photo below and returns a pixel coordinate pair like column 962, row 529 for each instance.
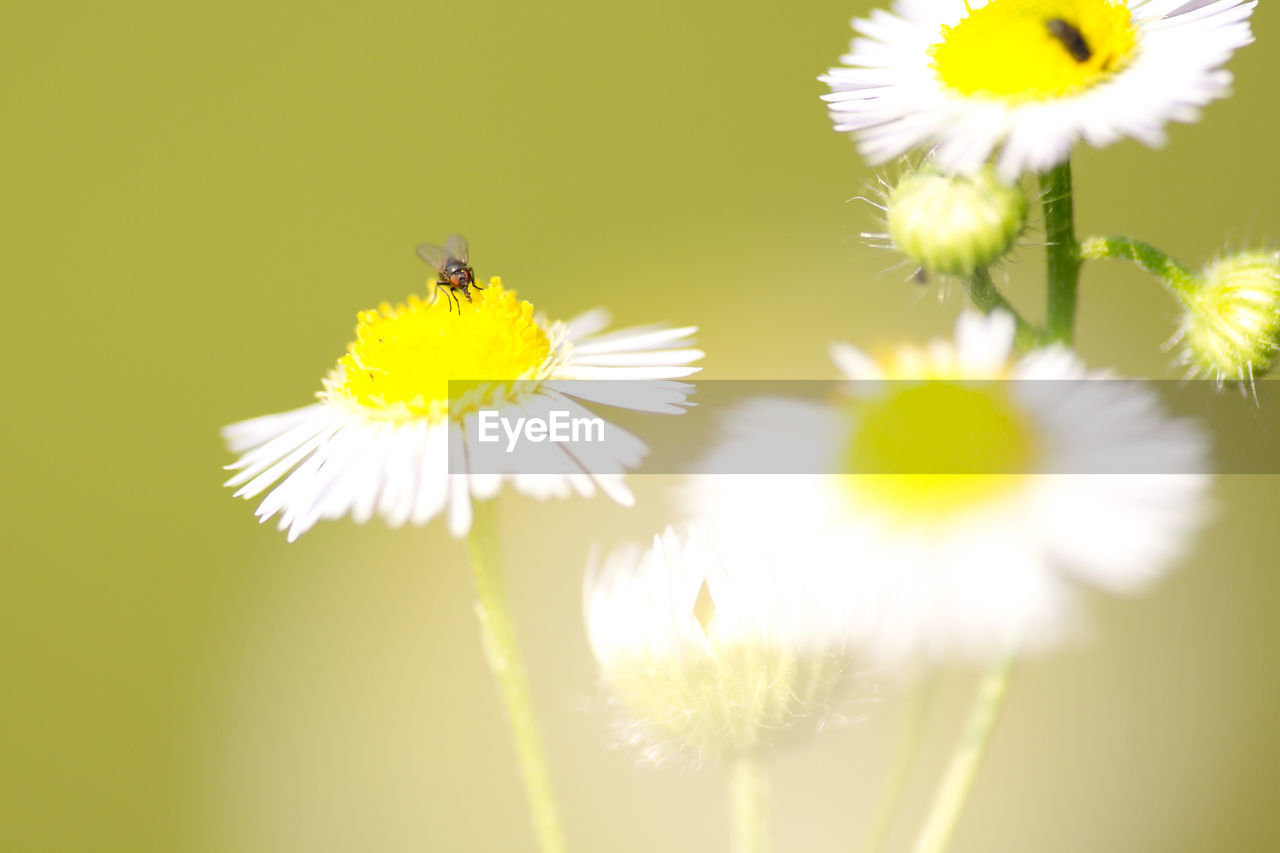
column 198, row 198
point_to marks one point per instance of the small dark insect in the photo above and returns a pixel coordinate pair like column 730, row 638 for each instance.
column 920, row 276
column 450, row 263
column 1071, row 38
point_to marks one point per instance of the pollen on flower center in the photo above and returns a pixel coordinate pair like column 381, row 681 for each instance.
column 936, row 447
column 1023, row 50
column 404, row 357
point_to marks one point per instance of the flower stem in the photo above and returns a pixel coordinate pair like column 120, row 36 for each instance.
column 1063, row 253
column 1180, row 281
column 958, row 781
column 749, row 804
column 502, row 653
column 987, row 297
column 904, row 757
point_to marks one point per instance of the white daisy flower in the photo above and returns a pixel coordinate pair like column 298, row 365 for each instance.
column 966, row 562
column 385, row 432
column 1030, row 76
column 705, row 650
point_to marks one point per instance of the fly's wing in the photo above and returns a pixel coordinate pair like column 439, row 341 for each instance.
column 435, row 256
column 456, row 246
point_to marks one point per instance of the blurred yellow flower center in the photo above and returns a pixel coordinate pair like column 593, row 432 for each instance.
column 1022, row 50
column 937, row 447
column 403, row 358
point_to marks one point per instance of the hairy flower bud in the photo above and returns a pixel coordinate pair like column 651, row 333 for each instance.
column 1231, row 326
column 955, row 224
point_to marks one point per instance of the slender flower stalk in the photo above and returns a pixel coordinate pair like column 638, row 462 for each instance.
column 1180, row 280
column 949, row 801
column 749, row 804
column 987, row 298
column 503, row 655
column 904, row 758
column 1063, row 253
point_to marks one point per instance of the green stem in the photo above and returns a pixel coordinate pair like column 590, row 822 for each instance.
column 1180, row 281
column 904, row 757
column 749, row 805
column 958, row 781
column 501, row 651
column 987, row 297
column 1063, row 253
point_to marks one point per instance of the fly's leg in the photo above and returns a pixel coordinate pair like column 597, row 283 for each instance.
column 448, row 293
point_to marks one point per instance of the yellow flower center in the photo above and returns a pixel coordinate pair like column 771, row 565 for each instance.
column 937, row 447
column 1025, row 50
column 403, row 358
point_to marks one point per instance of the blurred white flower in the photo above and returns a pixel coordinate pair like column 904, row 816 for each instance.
column 385, row 433
column 706, row 650
column 1030, row 76
column 980, row 546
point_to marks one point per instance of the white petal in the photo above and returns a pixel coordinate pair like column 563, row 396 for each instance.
column 855, row 364
column 635, row 340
